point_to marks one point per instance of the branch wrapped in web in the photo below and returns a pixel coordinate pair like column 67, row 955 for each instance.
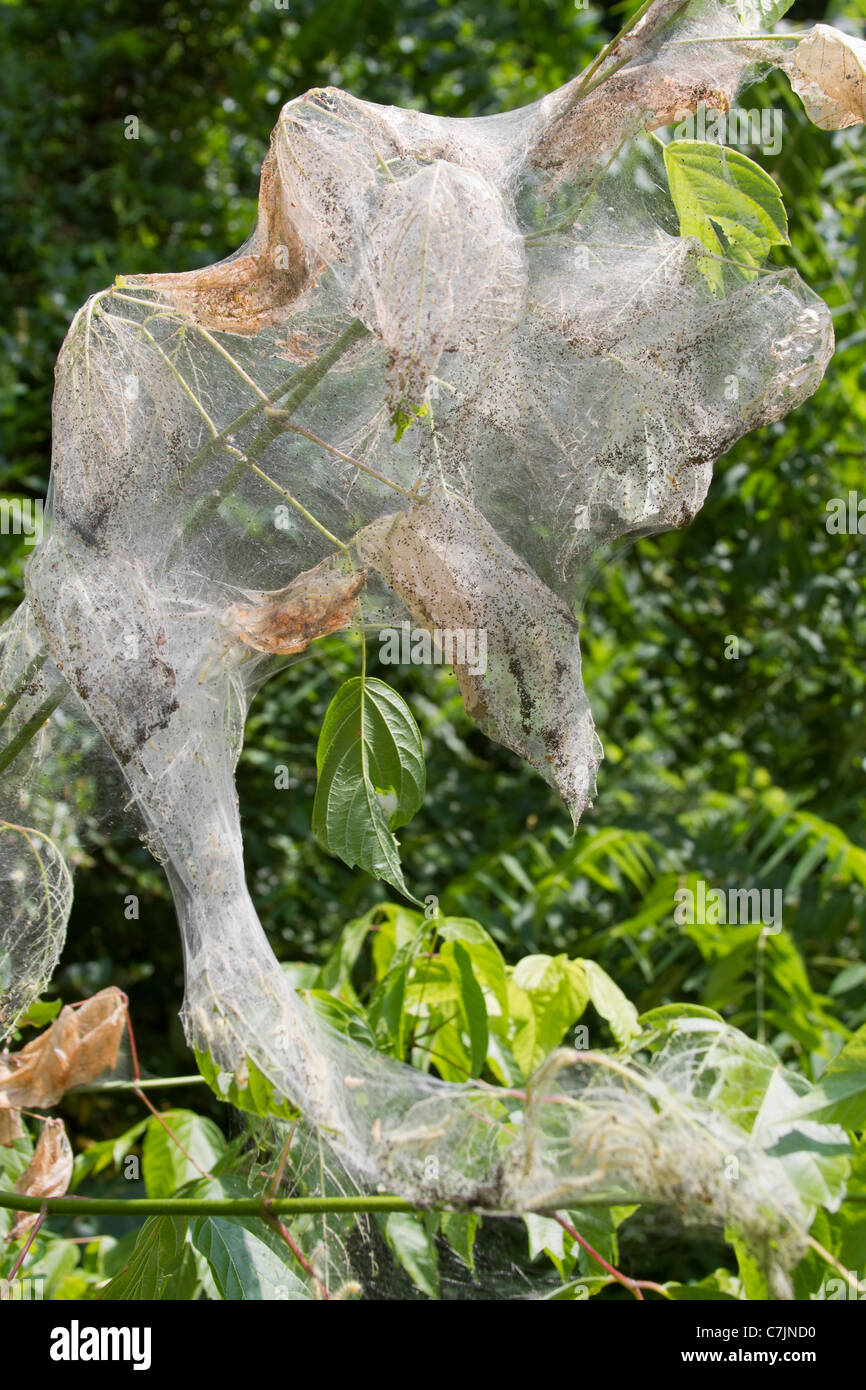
column 454, row 364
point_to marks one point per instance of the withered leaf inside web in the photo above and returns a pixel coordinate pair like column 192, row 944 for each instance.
column 47, row 1174
column 80, row 1045
column 11, row 1127
column 319, row 601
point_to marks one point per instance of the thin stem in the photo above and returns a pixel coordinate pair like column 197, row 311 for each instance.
column 538, row 238
column 586, row 84
column 181, row 380
column 323, row 530
column 347, row 458
column 31, row 669
column 6, row 1290
column 209, row 337
column 283, row 1231
column 33, row 725
column 295, row 388
column 746, row 38
column 154, row 1084
column 250, row 1206
column 634, row 1286
column 590, row 81
column 278, row 1175
column 144, row 1100
column 848, row 1274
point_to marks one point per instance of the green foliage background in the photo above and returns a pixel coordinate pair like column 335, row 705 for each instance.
column 747, row 771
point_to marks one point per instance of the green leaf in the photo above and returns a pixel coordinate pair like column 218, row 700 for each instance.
column 546, row 1236
column 472, row 1003
column 728, row 202
column 546, row 995
column 14, row 1158
column 415, row 1249
column 244, row 1262
column 720, row 1287
column 611, row 1003
column 369, row 747
column 106, row 1154
column 247, row 1259
column 247, row 1088
column 487, row 963
column 459, row 1229
column 849, row 1222
column 40, row 1012
column 343, row 1017
column 816, row 1157
column 386, row 1012
column 160, row 1267
column 666, row 1015
column 405, row 416
column 840, row 1097
column 762, row 14
column 752, row 1273
column 165, row 1167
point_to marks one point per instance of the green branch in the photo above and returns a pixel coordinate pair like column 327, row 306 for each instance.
column 255, row 1206
column 192, row 1206
column 33, row 725
column 294, row 391
column 26, row 679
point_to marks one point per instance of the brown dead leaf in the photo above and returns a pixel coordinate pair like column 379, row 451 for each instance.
column 828, row 72
column 47, row 1174
column 319, row 601
column 252, row 289
column 80, row 1045
column 11, row 1127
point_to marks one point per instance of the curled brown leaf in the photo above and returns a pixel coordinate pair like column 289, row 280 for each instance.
column 47, row 1174
column 317, row 602
column 80, row 1045
column 828, row 72
column 11, row 1127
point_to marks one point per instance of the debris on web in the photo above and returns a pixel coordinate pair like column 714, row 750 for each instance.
column 455, row 363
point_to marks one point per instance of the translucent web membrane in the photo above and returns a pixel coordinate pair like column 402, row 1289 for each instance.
column 455, row 362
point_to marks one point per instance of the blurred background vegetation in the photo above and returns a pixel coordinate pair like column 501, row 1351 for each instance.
column 744, row 771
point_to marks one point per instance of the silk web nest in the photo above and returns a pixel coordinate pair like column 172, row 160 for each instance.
column 466, row 357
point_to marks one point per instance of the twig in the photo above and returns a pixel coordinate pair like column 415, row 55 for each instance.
column 634, row 1286
column 152, row 1084
column 278, row 1175
column 276, row 414
column 33, row 668
column 7, row 1286
column 283, row 1231
column 144, row 1100
column 195, row 1206
column 33, row 725
column 295, row 390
